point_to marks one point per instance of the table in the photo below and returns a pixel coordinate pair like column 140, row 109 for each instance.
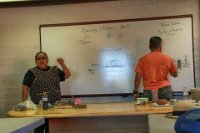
column 20, row 125
column 101, row 118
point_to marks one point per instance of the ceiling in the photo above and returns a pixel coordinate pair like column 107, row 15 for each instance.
column 24, row 3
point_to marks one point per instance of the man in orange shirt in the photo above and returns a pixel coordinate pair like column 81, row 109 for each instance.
column 154, row 68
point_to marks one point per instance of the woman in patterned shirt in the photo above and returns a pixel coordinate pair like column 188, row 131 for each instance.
column 44, row 79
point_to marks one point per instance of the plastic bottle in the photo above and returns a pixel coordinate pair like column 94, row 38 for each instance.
column 45, row 101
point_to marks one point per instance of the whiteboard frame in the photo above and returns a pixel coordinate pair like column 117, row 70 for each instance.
column 117, row 21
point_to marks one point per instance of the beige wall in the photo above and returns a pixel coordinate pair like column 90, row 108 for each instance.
column 19, row 33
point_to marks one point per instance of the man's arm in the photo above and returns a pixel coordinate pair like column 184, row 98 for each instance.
column 138, row 78
column 173, row 71
column 64, row 67
column 25, row 90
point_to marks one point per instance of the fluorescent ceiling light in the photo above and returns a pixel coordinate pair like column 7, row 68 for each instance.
column 11, row 0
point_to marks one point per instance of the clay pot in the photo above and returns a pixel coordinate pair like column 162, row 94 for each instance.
column 161, row 101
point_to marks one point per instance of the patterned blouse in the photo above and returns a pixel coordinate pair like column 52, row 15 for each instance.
column 41, row 81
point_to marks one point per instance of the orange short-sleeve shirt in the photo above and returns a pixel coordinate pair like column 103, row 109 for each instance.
column 155, row 67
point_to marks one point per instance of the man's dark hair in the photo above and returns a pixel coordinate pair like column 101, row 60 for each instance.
column 155, row 42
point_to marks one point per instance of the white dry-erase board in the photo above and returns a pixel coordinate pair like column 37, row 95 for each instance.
column 102, row 55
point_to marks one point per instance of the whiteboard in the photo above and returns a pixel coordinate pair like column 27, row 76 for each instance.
column 102, row 55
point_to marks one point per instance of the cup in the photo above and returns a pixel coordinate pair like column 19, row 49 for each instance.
column 199, row 103
column 78, row 101
column 185, row 91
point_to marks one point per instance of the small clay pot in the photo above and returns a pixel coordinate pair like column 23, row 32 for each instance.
column 161, row 101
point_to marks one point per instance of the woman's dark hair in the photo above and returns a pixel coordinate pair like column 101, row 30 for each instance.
column 40, row 53
column 155, row 42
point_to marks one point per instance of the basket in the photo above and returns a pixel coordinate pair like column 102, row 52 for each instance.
column 195, row 94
